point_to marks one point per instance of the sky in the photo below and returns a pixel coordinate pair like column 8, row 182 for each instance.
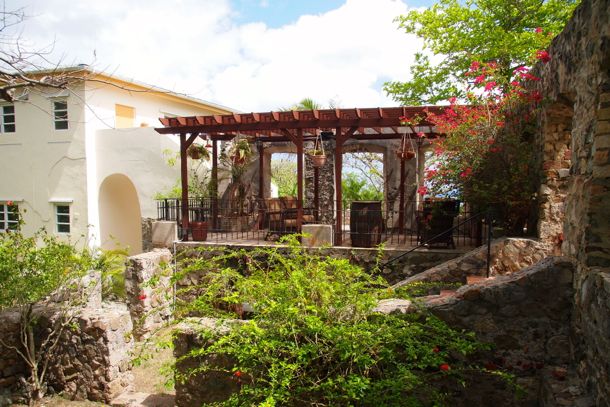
column 249, row 55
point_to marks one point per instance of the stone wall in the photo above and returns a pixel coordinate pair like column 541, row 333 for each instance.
column 197, row 389
column 508, row 255
column 91, row 360
column 413, row 263
column 577, row 82
column 149, row 291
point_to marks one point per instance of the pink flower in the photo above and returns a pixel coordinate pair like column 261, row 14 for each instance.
column 536, row 96
column 9, row 203
column 538, row 30
column 452, row 100
column 543, row 55
column 421, row 134
column 142, row 297
column 466, row 173
column 423, row 190
column 521, row 69
column 490, row 85
column 479, row 79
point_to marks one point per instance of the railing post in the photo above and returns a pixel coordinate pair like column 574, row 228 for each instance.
column 489, row 221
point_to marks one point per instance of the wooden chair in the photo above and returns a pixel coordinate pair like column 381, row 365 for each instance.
column 435, row 222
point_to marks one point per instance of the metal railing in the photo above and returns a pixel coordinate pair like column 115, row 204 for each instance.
column 483, row 218
column 442, row 224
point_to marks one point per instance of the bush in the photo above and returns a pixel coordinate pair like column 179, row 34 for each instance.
column 312, row 338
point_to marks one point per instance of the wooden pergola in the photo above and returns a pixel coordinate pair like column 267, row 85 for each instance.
column 297, row 127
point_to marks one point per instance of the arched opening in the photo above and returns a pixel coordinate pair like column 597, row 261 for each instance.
column 556, row 162
column 120, row 218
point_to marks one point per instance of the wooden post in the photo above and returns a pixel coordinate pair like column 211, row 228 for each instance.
column 338, row 203
column 214, row 189
column 299, row 144
column 261, row 185
column 316, row 192
column 401, row 208
column 185, row 187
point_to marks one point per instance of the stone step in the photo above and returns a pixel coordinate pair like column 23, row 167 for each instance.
column 143, row 400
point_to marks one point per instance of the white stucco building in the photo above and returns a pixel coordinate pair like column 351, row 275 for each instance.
column 85, row 163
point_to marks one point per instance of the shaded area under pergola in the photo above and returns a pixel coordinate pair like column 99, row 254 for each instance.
column 298, row 127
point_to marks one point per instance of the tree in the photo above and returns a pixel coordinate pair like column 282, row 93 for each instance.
column 284, row 175
column 31, row 270
column 505, row 32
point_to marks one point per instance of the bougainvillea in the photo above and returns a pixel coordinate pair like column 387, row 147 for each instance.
column 486, row 157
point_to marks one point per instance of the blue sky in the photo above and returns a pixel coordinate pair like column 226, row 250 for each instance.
column 276, row 13
column 249, row 55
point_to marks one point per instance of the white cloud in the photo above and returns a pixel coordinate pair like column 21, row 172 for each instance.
column 195, row 47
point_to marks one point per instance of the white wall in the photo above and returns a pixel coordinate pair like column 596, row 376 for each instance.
column 135, row 152
column 39, row 163
column 138, row 154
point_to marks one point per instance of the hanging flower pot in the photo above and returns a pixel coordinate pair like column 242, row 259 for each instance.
column 318, row 158
column 405, row 154
column 197, row 152
column 317, row 155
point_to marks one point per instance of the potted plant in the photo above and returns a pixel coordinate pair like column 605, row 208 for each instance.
column 240, row 151
column 406, row 154
column 199, row 227
column 198, row 152
column 318, row 158
column 317, row 154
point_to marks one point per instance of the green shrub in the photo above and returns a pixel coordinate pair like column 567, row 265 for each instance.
column 312, row 338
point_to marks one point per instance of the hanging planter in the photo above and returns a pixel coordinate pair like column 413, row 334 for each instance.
column 405, row 155
column 197, row 152
column 317, row 155
column 407, row 147
column 240, row 152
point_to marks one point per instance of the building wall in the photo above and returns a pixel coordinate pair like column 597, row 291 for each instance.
column 135, row 152
column 41, row 164
column 576, row 85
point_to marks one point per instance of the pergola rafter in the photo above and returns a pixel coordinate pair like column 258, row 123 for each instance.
column 298, row 127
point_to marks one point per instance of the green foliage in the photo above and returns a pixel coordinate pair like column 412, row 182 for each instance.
column 200, row 184
column 356, row 188
column 476, row 30
column 312, row 338
column 284, row 175
column 421, row 289
column 112, row 265
column 33, row 267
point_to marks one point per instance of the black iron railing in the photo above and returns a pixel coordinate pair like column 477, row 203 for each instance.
column 483, row 219
column 438, row 224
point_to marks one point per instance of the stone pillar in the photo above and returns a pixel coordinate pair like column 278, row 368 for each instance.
column 326, row 184
column 149, row 305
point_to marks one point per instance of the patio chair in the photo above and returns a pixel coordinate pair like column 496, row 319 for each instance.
column 435, row 223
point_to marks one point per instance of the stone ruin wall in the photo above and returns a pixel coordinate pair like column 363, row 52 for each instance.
column 93, row 359
column 576, row 83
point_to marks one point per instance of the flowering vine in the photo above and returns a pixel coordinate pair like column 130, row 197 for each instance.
column 486, row 157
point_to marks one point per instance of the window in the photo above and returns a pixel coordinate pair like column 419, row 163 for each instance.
column 7, row 119
column 62, row 218
column 60, row 113
column 9, row 216
column 125, row 116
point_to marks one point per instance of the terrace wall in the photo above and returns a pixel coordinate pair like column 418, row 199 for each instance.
column 575, row 213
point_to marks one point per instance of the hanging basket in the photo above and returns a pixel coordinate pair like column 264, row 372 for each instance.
column 195, row 152
column 317, row 155
column 318, row 160
column 405, row 154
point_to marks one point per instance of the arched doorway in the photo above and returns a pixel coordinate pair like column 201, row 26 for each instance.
column 120, row 217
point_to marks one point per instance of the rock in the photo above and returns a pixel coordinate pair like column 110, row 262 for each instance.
column 393, row 305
